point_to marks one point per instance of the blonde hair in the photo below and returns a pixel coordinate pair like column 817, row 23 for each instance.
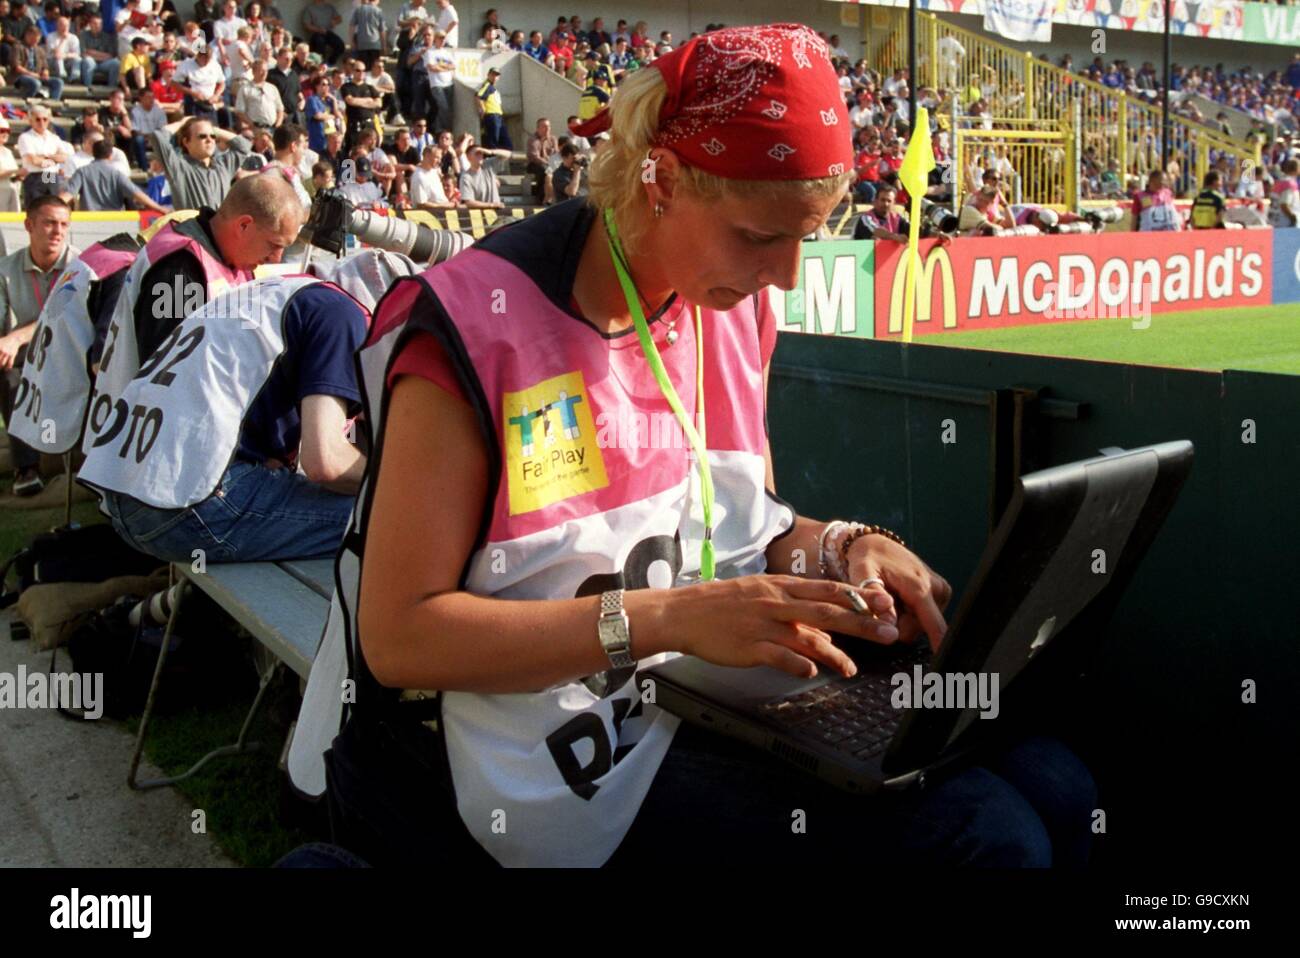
column 615, row 178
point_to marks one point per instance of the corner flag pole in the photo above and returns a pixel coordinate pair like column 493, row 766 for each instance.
column 914, row 174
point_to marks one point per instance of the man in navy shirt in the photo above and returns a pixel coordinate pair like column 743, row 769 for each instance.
column 290, row 488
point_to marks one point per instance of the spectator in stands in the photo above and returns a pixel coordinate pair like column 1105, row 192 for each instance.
column 542, row 145
column 137, row 66
column 479, row 188
column 426, row 192
column 537, row 49
column 191, row 39
column 487, row 99
column 200, row 175
column 116, row 122
column 239, row 59
column 26, row 278
column 50, row 22
column 322, row 178
column 101, row 48
column 360, row 187
column 1284, row 198
column 447, row 20
column 1210, row 203
column 333, row 152
column 421, row 138
column 102, row 186
column 568, row 179
column 11, row 173
column 29, row 68
column 203, row 84
column 362, row 102
column 258, row 101
column 383, row 83
column 319, row 20
column 225, row 31
column 64, row 51
column 288, row 83
column 323, row 115
column 1153, row 208
column 43, row 154
column 368, row 31
column 11, row 31
column 439, row 66
column 147, row 117
column 165, row 93
column 289, row 143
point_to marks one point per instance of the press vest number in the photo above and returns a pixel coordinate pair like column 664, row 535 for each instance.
column 588, row 725
column 145, row 421
column 31, row 394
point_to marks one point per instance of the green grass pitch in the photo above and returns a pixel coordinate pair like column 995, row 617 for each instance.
column 1259, row 338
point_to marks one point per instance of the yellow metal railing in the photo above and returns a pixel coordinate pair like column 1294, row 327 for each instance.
column 1113, row 126
column 1040, row 155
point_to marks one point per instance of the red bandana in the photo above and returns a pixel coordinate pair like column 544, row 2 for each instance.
column 752, row 103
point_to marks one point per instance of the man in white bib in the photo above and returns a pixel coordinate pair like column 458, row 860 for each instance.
column 238, row 447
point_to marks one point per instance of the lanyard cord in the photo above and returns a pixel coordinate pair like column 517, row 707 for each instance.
column 670, row 393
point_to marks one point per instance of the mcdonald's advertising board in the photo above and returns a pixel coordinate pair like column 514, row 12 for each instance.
column 834, row 293
column 990, row 283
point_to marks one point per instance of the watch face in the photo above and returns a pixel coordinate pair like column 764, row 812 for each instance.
column 604, row 684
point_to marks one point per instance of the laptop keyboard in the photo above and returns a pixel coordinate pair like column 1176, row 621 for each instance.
column 850, row 715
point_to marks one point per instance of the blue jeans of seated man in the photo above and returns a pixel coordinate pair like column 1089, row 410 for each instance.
column 257, row 514
column 30, row 87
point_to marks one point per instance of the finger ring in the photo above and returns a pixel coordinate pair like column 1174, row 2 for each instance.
column 872, row 581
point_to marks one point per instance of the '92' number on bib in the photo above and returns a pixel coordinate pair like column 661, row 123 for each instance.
column 143, row 423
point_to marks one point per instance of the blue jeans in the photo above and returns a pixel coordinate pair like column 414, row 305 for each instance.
column 31, row 87
column 864, row 191
column 257, row 514
column 112, row 68
column 717, row 802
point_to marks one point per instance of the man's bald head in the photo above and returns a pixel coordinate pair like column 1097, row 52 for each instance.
column 258, row 220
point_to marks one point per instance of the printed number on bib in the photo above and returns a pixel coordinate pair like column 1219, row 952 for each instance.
column 653, row 562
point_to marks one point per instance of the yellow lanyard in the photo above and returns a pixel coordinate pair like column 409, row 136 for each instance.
column 670, row 393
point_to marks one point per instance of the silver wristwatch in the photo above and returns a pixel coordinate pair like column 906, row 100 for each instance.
column 615, row 636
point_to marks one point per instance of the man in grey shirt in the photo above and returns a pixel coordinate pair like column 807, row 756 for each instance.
column 478, row 184
column 199, row 174
column 369, row 32
column 101, row 185
column 319, row 20
column 26, row 278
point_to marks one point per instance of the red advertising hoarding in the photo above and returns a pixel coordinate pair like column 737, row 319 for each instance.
column 1024, row 281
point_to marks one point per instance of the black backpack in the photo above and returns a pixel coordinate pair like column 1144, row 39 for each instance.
column 91, row 553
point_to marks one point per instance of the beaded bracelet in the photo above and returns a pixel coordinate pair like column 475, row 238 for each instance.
column 858, row 532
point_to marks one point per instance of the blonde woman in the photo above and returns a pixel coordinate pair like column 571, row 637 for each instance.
column 512, row 498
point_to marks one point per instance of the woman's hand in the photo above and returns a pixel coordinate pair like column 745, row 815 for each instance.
column 922, row 592
column 777, row 620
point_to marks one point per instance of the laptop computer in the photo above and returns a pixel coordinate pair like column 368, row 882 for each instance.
column 1067, row 545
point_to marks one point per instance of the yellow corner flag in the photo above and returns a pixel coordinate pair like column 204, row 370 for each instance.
column 914, row 174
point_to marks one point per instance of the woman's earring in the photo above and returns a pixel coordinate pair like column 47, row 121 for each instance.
column 659, row 210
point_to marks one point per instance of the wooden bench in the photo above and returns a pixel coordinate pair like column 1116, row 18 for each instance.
column 283, row 605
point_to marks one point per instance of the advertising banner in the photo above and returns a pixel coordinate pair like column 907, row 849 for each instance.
column 1270, row 23
column 1027, row 21
column 1286, row 266
column 834, row 293
column 1025, row 281
column 1221, row 19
